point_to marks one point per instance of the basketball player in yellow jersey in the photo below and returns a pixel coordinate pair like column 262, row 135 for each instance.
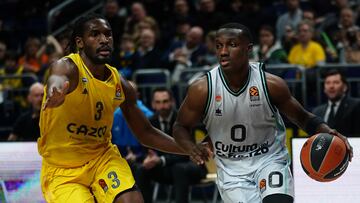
column 79, row 162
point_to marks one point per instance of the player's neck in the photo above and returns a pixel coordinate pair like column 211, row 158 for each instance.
column 237, row 77
column 97, row 70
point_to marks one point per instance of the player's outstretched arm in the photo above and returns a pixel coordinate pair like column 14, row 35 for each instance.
column 141, row 127
column 292, row 109
column 62, row 80
column 190, row 113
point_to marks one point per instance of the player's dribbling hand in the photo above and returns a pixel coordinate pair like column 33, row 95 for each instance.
column 56, row 96
column 201, row 153
column 348, row 146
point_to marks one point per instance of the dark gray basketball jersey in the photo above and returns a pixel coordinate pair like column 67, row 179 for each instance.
column 245, row 128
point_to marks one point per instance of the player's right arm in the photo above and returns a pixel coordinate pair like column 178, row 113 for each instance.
column 63, row 79
column 190, row 113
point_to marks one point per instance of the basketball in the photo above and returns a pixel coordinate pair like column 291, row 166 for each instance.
column 324, row 157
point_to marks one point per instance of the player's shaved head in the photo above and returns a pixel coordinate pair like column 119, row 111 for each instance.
column 242, row 30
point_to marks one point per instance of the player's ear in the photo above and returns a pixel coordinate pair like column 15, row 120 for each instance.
column 79, row 42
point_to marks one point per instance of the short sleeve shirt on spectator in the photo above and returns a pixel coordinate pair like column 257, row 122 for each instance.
column 308, row 57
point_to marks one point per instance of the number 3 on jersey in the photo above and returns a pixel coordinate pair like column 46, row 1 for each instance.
column 99, row 108
column 114, row 178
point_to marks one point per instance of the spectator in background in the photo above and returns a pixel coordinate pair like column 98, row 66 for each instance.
column 14, row 86
column 346, row 35
column 26, row 127
column 182, row 11
column 338, row 25
column 149, row 55
column 33, row 59
column 330, row 21
column 306, row 52
column 309, row 54
column 182, row 27
column 138, row 13
column 340, row 111
column 146, row 23
column 209, row 59
column 163, row 167
column 11, row 68
column 127, row 57
column 112, row 15
column 51, row 46
column 268, row 50
column 352, row 51
column 177, row 24
column 289, row 39
column 186, row 54
column 323, row 37
column 291, row 18
column 10, row 104
column 53, row 50
column 208, row 18
column 122, row 136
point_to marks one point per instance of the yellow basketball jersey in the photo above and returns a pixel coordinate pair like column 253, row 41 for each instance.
column 80, row 129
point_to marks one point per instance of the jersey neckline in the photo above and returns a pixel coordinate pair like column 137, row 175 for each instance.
column 92, row 76
column 227, row 86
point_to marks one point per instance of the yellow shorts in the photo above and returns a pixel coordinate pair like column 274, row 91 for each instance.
column 102, row 178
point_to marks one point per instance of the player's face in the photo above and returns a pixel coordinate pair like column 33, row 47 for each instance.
column 231, row 48
column 97, row 41
column 162, row 103
column 334, row 88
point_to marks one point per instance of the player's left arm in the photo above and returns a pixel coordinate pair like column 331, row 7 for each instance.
column 141, row 127
column 281, row 97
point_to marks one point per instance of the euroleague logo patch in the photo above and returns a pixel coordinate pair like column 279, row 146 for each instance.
column 254, row 93
column 103, row 185
column 218, row 102
column 262, row 185
column 118, row 92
